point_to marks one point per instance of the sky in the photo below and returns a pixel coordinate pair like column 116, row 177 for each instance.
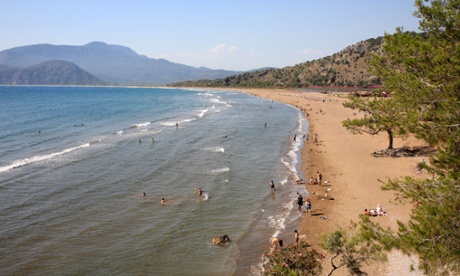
column 235, row 35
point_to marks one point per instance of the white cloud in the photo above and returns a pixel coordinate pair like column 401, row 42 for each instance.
column 222, row 49
column 310, row 51
column 232, row 49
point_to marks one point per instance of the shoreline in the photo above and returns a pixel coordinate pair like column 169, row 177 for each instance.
column 353, row 173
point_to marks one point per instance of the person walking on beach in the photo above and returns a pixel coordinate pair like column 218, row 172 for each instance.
column 299, row 201
column 272, row 186
column 296, row 236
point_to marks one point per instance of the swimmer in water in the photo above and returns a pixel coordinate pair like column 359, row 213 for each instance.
column 163, row 201
column 200, row 192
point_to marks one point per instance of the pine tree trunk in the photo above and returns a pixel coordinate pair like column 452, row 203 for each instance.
column 390, row 139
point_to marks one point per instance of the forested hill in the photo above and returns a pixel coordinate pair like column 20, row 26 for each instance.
column 345, row 68
column 55, row 72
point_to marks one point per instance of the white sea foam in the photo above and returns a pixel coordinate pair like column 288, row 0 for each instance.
column 220, row 102
column 141, row 125
column 215, row 149
column 202, row 112
column 38, row 158
column 277, row 222
column 284, row 182
column 179, row 122
column 218, row 171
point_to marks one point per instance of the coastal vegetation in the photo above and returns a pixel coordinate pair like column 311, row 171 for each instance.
column 293, row 260
column 380, row 115
column 422, row 72
column 347, row 68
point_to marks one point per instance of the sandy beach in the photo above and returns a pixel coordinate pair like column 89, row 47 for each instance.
column 346, row 161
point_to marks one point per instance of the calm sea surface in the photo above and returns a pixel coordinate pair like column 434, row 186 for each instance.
column 75, row 162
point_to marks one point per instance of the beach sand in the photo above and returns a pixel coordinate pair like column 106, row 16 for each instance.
column 346, row 161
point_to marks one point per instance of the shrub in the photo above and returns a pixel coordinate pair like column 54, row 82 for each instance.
column 293, row 260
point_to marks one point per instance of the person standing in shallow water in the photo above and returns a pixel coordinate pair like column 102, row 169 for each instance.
column 299, row 201
column 272, row 185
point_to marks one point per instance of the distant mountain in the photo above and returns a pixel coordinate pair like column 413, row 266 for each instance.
column 55, row 72
column 345, row 68
column 113, row 64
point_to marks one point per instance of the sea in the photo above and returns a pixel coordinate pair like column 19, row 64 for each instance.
column 83, row 171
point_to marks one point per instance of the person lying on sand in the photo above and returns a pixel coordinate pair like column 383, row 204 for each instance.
column 370, row 212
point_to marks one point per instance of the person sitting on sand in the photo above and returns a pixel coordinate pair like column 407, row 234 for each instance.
column 380, row 211
column 312, row 182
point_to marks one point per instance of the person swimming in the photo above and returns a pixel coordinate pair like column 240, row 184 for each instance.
column 200, row 192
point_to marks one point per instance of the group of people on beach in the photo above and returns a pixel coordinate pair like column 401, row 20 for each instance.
column 276, row 242
column 317, row 180
column 378, row 211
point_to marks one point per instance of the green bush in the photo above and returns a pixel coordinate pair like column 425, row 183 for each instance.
column 293, row 260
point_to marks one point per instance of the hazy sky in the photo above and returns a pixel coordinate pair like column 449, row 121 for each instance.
column 232, row 35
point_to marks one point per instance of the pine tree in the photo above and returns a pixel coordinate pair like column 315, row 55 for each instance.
column 380, row 115
column 423, row 73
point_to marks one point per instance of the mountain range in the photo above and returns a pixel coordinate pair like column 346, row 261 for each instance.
column 119, row 65
column 111, row 64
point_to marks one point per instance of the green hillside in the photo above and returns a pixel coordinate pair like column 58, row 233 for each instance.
column 345, row 68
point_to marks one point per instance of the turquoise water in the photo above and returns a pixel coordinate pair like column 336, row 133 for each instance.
column 75, row 162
